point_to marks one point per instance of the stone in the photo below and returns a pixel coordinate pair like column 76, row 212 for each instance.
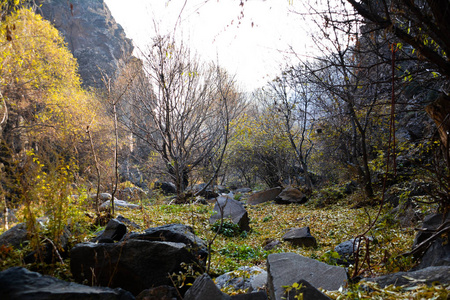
column 300, row 237
column 308, row 292
column 261, row 295
column 15, row 237
column 118, row 205
column 242, row 279
column 20, row 283
column 291, row 195
column 286, row 268
column 229, row 208
column 426, row 276
column 114, row 231
column 204, row 288
column 134, row 265
column 167, row 188
column 128, row 222
column 346, row 251
column 163, row 292
column 264, row 196
column 177, row 233
column 271, row 244
column 438, row 253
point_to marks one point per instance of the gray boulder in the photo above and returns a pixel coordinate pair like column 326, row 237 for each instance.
column 291, row 195
column 300, row 237
column 204, row 288
column 228, row 208
column 15, row 237
column 426, row 276
column 286, row 268
column 264, row 196
column 246, row 278
column 118, row 204
column 20, row 283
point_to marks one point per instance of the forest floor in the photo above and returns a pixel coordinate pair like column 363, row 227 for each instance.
column 330, row 226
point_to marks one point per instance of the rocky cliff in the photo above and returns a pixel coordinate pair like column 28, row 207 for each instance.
column 95, row 39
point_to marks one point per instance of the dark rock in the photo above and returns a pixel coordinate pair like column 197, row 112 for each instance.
column 231, row 209
column 118, row 205
column 134, row 265
column 307, row 290
column 167, row 188
column 264, row 196
column 291, row 195
column 19, row 283
column 15, row 237
column 242, row 279
column 115, row 230
column 346, row 251
column 286, row 268
column 208, row 193
column 128, row 222
column 261, row 295
column 300, row 237
column 438, row 254
column 222, row 189
column 163, row 292
column 177, row 233
column 95, row 39
column 204, row 288
column 426, row 276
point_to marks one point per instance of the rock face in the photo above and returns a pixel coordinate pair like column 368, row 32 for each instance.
column 231, row 209
column 19, row 283
column 139, row 261
column 286, row 268
column 95, row 39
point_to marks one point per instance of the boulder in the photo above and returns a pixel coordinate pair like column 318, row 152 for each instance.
column 177, row 233
column 20, row 283
column 118, row 204
column 271, row 244
column 134, row 265
column 229, row 208
column 114, row 231
column 346, row 251
column 426, row 276
column 291, row 195
column 300, row 237
column 243, row 279
column 264, row 196
column 307, row 290
column 163, row 292
column 167, row 188
column 438, row 253
column 15, row 237
column 204, row 288
column 128, row 222
column 286, row 268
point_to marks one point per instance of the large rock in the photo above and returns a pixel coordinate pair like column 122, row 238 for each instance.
column 15, row 237
column 264, row 196
column 291, row 195
column 228, row 208
column 203, row 289
column 245, row 278
column 118, row 205
column 426, row 276
column 19, row 283
column 167, row 188
column 177, row 233
column 300, row 237
column 95, row 39
column 438, row 254
column 286, row 268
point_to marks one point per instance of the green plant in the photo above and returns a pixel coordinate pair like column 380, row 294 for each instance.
column 229, row 229
column 294, row 289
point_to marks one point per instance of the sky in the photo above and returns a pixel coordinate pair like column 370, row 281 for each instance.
column 251, row 41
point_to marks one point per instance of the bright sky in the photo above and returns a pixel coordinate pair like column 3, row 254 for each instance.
column 253, row 47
